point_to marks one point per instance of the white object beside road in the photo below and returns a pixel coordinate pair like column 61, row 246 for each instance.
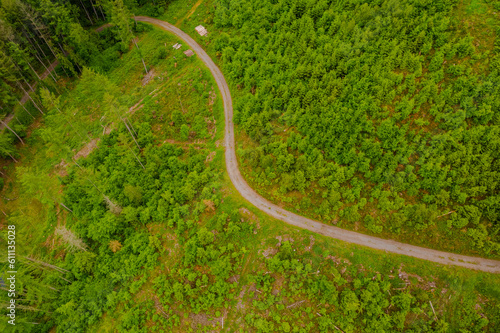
column 201, row 30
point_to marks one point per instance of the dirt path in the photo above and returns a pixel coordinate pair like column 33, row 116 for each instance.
column 191, row 12
column 102, row 27
column 487, row 265
column 6, row 120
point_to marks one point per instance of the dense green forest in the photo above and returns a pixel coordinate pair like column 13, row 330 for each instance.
column 113, row 169
column 381, row 116
column 35, row 33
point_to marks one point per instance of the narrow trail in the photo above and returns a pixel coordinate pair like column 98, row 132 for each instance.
column 191, row 12
column 446, row 258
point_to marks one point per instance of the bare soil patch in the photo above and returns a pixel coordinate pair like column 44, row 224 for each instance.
column 203, row 320
column 248, row 214
column 210, row 157
column 284, row 238
column 89, row 147
column 269, row 252
column 60, row 168
column 241, row 305
column 137, row 106
column 148, row 77
column 278, row 284
column 311, row 243
column 234, row 279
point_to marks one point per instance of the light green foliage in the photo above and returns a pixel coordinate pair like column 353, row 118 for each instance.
column 40, row 185
column 120, row 17
column 133, row 193
column 380, row 97
column 184, row 132
column 84, row 262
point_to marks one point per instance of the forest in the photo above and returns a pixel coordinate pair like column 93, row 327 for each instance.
column 113, row 172
column 381, row 116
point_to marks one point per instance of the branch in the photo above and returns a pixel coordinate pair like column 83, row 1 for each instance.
column 338, row 329
column 446, row 214
column 294, row 304
column 435, row 317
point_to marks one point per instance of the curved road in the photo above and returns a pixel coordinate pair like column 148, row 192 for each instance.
column 487, row 265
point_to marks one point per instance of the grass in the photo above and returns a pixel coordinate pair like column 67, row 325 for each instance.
column 476, row 7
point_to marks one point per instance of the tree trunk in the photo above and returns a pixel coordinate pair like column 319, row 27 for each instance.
column 126, row 125
column 33, row 47
column 144, row 66
column 63, row 205
column 137, row 158
column 15, row 161
column 33, row 21
column 21, row 74
column 6, row 176
column 70, row 125
column 25, row 29
column 50, row 47
column 88, row 16
column 39, row 29
column 30, row 98
column 91, row 182
column 131, row 133
column 38, row 76
column 47, row 265
column 47, row 69
column 27, row 83
column 108, row 200
column 25, row 109
column 64, row 69
column 78, row 66
column 102, row 13
column 141, row 56
column 10, row 129
column 62, row 49
column 65, row 54
column 132, row 127
column 95, row 12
